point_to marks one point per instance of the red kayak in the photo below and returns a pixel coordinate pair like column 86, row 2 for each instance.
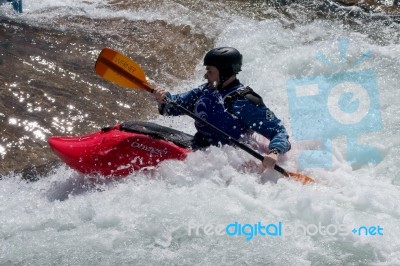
column 121, row 149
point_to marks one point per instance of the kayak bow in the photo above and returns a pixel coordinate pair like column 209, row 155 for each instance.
column 122, row 149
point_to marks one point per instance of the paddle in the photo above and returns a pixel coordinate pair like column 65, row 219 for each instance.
column 121, row 70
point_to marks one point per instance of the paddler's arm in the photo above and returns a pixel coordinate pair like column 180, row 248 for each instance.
column 186, row 100
column 262, row 120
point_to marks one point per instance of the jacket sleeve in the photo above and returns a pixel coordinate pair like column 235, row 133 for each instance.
column 186, row 100
column 262, row 120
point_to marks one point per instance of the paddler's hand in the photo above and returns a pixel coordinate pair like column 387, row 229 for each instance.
column 270, row 160
column 160, row 95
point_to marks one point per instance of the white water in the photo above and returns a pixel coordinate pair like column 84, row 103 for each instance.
column 144, row 219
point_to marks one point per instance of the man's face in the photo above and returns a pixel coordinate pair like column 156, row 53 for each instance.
column 212, row 75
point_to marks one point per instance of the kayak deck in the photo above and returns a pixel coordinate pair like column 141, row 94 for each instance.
column 122, row 149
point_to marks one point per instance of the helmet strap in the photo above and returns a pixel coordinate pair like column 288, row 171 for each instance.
column 222, row 78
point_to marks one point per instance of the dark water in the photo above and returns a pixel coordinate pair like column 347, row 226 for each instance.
column 49, row 87
column 47, row 81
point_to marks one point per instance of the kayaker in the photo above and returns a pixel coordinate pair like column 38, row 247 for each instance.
column 229, row 105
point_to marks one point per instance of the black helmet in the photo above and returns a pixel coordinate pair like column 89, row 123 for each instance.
column 227, row 60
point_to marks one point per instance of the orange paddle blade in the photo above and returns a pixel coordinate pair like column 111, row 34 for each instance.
column 301, row 178
column 296, row 176
column 121, row 70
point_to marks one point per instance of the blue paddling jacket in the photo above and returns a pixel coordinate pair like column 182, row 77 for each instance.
column 236, row 110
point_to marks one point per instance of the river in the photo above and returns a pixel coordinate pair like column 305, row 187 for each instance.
column 172, row 216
